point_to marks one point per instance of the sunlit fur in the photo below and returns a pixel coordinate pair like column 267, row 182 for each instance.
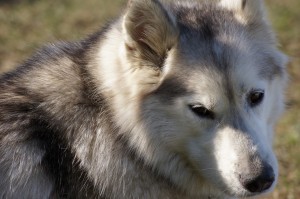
column 109, row 116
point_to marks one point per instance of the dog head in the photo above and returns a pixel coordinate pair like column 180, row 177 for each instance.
column 203, row 88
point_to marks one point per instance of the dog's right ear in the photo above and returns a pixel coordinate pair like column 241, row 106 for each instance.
column 150, row 31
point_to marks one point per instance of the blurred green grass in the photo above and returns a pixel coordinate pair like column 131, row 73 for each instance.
column 26, row 25
column 285, row 17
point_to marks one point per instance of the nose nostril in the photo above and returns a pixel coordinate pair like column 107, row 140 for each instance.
column 260, row 183
column 267, row 184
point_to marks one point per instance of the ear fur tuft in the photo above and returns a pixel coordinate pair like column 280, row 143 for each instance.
column 150, row 30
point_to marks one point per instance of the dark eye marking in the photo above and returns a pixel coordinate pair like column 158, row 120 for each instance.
column 255, row 97
column 201, row 111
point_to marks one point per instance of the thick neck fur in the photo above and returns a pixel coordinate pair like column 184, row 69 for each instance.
column 120, row 169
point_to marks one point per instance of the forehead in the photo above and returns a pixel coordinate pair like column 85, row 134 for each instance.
column 213, row 37
column 224, row 72
column 201, row 82
column 217, row 54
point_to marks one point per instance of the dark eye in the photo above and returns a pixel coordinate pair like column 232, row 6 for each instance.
column 201, row 111
column 255, row 97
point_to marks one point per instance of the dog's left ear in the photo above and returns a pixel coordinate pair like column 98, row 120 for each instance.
column 247, row 11
column 150, row 31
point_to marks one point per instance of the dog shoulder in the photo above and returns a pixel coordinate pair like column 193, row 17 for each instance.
column 25, row 94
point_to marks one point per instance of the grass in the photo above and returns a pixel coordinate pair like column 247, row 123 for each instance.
column 28, row 24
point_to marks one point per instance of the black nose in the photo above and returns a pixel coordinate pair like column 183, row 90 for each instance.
column 260, row 182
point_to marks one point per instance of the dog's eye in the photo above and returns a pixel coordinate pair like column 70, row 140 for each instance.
column 255, row 97
column 201, row 111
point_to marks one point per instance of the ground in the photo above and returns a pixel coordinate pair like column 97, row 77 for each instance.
column 28, row 24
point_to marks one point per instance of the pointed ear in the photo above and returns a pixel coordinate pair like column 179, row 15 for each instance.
column 246, row 11
column 150, row 31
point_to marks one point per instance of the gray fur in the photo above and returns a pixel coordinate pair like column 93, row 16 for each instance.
column 82, row 120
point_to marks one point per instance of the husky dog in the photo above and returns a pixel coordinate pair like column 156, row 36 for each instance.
column 170, row 100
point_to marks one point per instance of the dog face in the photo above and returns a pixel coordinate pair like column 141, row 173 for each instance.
column 208, row 83
column 220, row 120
